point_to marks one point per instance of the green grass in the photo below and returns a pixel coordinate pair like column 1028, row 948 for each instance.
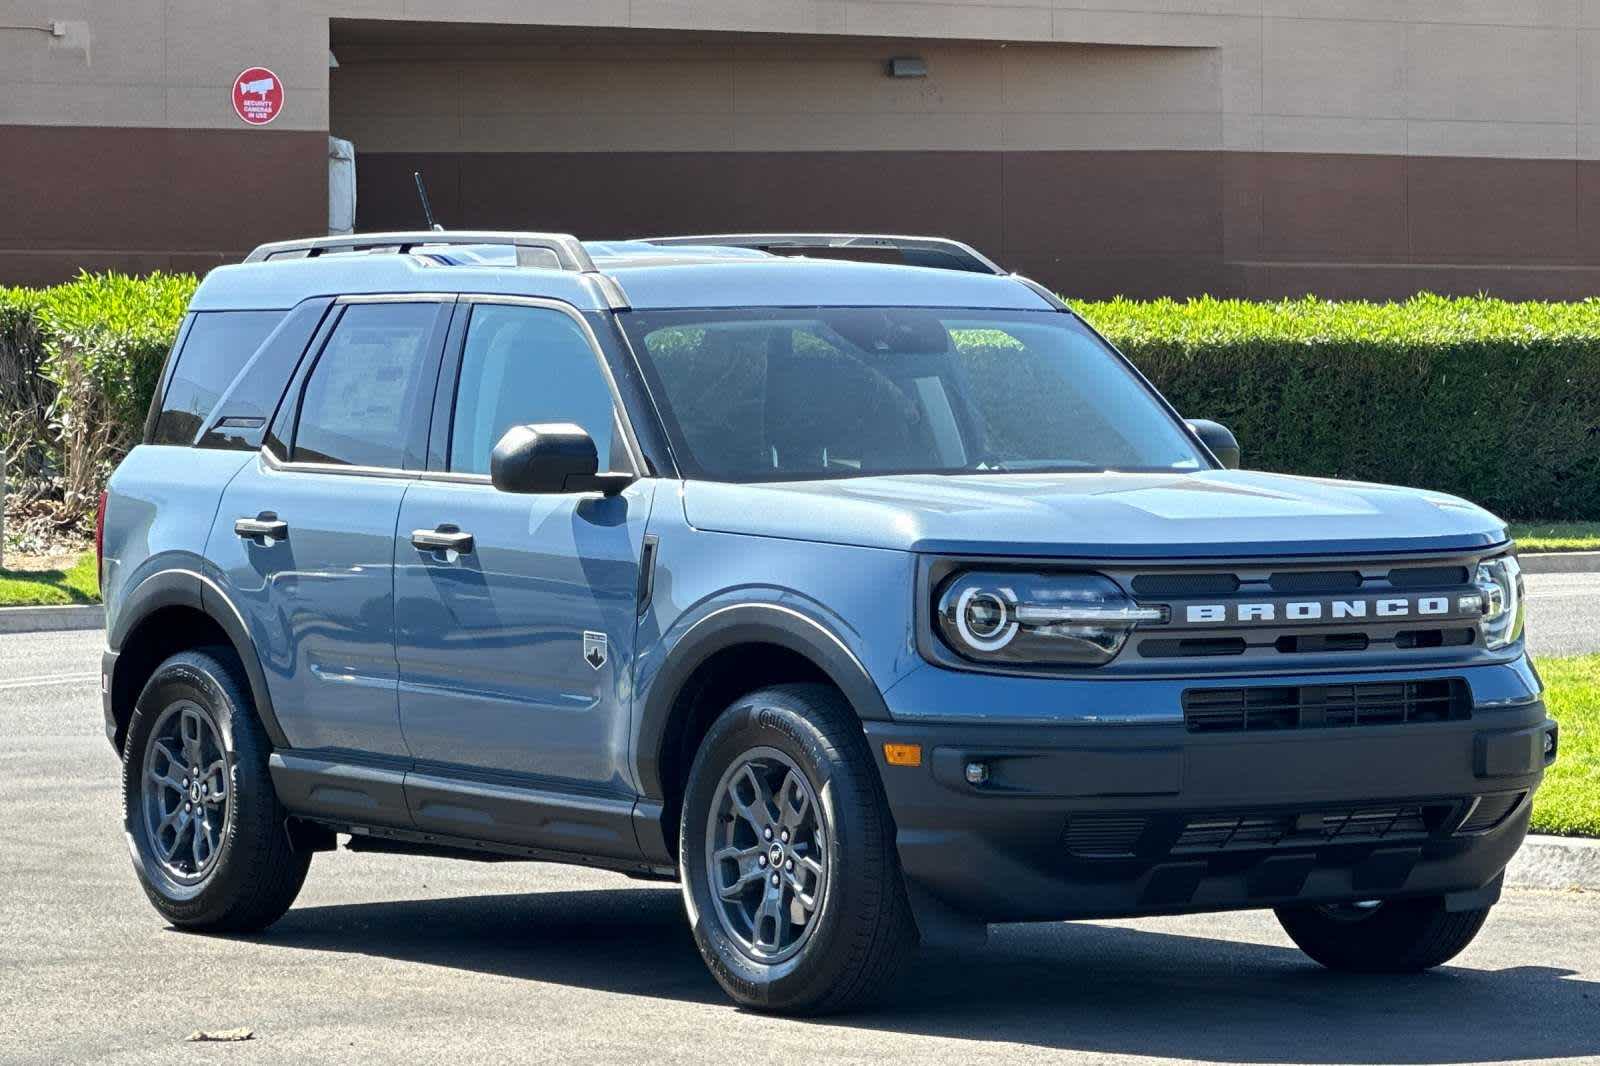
column 1569, row 801
column 35, row 588
column 1556, row 536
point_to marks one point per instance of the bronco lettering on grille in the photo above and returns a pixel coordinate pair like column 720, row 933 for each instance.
column 1316, row 610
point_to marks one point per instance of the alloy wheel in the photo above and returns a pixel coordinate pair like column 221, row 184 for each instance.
column 186, row 792
column 766, row 855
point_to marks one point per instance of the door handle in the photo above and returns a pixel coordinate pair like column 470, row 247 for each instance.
column 446, row 538
column 265, row 526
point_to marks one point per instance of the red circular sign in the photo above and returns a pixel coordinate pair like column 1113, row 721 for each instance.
column 257, row 96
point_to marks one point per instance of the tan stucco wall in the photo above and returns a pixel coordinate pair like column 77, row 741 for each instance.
column 1516, row 78
column 809, row 96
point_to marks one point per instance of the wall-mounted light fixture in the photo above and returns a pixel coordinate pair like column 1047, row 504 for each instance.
column 908, row 67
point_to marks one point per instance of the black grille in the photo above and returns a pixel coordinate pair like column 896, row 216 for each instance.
column 1191, row 647
column 1423, row 577
column 1455, row 637
column 1234, row 710
column 1316, row 581
column 1490, row 812
column 1303, row 643
column 1185, row 584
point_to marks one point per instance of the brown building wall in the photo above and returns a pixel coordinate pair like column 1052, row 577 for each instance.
column 140, row 199
column 1090, row 224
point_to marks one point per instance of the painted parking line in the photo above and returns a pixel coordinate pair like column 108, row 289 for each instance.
column 44, row 680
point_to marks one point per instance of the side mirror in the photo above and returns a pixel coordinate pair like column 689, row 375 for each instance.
column 550, row 458
column 1219, row 438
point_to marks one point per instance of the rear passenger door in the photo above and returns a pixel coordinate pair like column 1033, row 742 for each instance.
column 305, row 534
column 515, row 653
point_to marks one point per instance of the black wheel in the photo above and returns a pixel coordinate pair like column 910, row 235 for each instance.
column 787, row 856
column 1383, row 936
column 207, row 832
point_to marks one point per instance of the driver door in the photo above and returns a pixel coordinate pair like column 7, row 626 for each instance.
column 515, row 649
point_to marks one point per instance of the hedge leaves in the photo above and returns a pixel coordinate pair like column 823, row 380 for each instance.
column 1498, row 402
column 1494, row 401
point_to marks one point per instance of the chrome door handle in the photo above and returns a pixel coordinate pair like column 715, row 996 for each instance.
column 444, row 539
column 263, row 527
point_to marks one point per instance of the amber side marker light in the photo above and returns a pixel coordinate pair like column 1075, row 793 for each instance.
column 902, row 754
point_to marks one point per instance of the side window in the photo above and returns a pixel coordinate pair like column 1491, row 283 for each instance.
column 218, row 345
column 366, row 393
column 522, row 365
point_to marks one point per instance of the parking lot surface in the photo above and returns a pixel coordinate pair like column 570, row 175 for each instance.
column 1563, row 613
column 389, row 959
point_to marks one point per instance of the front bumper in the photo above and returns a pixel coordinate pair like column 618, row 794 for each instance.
column 1095, row 821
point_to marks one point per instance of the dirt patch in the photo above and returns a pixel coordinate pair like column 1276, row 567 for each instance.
column 31, row 562
column 39, row 535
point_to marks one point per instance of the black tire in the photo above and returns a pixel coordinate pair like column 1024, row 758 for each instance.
column 1394, row 936
column 861, row 929
column 252, row 874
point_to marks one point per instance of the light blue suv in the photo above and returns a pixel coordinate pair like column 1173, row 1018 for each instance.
column 873, row 602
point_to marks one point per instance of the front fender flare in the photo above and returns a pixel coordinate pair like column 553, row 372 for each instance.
column 746, row 623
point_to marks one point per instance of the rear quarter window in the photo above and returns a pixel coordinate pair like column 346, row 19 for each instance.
column 215, row 348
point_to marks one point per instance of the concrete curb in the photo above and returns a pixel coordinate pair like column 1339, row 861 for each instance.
column 1556, row 862
column 45, row 619
column 1560, row 562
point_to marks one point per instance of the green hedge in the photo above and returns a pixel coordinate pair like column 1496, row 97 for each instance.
column 1494, row 401
column 78, row 364
column 1498, row 402
column 121, row 327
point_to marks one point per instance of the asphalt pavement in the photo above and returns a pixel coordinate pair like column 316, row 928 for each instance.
column 387, row 959
column 1563, row 613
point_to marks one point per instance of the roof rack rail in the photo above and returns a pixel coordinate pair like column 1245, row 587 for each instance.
column 940, row 252
column 558, row 251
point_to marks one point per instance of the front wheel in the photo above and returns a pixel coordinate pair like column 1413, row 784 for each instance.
column 1383, row 936
column 204, row 823
column 787, row 858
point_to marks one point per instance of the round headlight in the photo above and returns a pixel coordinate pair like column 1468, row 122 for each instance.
column 1043, row 619
column 983, row 618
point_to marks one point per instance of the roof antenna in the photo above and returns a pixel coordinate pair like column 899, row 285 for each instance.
column 427, row 209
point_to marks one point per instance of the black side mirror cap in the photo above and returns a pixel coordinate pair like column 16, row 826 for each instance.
column 1219, row 438
column 548, row 459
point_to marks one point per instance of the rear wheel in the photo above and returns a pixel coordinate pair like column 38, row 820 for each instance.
column 207, row 832
column 1390, row 936
column 787, row 859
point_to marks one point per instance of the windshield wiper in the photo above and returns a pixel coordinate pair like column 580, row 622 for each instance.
column 998, row 466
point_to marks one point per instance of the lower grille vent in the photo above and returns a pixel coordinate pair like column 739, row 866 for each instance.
column 1233, row 710
column 1490, row 812
column 1104, row 836
column 1242, row 831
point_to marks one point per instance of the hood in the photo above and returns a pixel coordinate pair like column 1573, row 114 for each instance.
column 1104, row 516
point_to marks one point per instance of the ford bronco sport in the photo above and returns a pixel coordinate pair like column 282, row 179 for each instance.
column 871, row 601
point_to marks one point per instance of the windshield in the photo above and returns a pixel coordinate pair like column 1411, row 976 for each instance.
column 787, row 394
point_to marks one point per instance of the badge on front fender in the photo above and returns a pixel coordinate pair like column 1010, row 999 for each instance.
column 594, row 648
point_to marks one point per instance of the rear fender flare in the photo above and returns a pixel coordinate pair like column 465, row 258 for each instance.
column 195, row 591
